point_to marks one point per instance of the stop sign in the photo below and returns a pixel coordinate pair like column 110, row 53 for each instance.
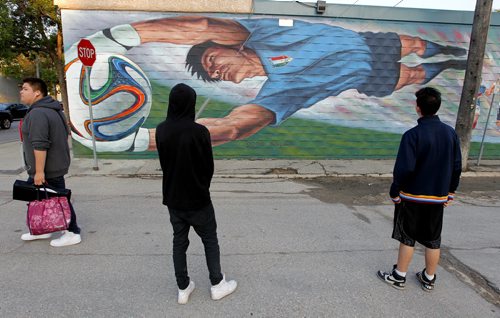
column 86, row 52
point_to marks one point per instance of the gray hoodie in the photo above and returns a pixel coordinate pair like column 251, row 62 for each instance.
column 44, row 128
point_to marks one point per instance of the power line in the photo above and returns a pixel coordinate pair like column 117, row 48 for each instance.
column 398, row 3
column 347, row 9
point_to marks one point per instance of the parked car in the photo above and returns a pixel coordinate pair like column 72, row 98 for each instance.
column 16, row 110
column 5, row 119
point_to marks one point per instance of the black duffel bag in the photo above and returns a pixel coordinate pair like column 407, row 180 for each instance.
column 25, row 191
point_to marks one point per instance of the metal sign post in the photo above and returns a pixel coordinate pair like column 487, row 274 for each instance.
column 87, row 79
column 87, row 55
column 492, row 104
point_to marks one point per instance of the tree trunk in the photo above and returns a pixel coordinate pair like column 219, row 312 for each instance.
column 61, row 76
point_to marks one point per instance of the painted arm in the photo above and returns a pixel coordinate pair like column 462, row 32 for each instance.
column 242, row 122
column 191, row 30
column 179, row 30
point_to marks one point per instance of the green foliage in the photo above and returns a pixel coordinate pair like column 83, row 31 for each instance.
column 6, row 30
column 28, row 35
column 35, row 26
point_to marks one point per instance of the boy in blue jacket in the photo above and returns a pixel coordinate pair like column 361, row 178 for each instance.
column 426, row 175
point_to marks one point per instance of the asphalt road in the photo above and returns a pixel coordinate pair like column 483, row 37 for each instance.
column 11, row 134
column 296, row 248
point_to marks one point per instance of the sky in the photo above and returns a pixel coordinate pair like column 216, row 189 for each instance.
column 465, row 5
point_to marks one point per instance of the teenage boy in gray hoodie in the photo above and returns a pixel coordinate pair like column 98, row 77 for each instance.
column 46, row 150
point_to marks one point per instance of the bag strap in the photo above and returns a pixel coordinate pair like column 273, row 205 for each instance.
column 64, row 122
column 38, row 192
column 62, row 210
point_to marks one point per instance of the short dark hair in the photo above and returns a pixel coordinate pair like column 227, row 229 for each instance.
column 37, row 84
column 428, row 100
column 193, row 61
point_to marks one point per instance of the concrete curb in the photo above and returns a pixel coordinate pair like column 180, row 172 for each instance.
column 10, row 159
column 470, row 174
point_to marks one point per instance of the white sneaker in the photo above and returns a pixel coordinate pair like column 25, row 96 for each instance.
column 29, row 237
column 183, row 295
column 68, row 238
column 223, row 288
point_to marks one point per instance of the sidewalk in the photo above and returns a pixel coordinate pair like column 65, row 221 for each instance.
column 10, row 159
column 270, row 168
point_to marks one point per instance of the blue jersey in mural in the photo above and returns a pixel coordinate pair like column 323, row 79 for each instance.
column 307, row 63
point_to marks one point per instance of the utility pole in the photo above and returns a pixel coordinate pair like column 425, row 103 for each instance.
column 472, row 78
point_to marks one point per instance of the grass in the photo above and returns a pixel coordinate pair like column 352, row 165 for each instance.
column 294, row 139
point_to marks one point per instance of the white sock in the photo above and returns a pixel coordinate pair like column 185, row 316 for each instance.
column 428, row 276
column 402, row 274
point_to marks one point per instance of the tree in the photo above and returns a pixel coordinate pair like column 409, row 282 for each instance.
column 31, row 31
column 6, row 30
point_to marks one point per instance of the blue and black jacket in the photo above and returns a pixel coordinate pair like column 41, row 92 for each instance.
column 429, row 163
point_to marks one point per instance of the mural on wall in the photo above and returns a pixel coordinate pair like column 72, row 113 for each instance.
column 306, row 88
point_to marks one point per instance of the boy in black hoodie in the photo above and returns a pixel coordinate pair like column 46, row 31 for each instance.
column 185, row 153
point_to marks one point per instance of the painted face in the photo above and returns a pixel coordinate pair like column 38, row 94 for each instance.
column 226, row 64
column 28, row 96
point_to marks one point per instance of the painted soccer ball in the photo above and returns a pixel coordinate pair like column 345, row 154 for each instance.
column 120, row 95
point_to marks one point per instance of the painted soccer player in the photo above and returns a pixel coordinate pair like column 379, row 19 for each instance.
column 304, row 64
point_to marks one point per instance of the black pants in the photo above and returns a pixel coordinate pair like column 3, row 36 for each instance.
column 59, row 183
column 204, row 224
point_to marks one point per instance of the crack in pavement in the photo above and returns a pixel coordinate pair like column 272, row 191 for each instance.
column 470, row 277
column 365, row 191
column 322, row 166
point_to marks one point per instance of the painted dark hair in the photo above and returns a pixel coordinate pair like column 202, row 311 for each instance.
column 428, row 100
column 193, row 61
column 37, row 84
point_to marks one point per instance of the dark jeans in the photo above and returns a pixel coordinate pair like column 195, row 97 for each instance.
column 204, row 224
column 59, row 183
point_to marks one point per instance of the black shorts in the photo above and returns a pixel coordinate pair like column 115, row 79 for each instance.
column 418, row 222
column 386, row 56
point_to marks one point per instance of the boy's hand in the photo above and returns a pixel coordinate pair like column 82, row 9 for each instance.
column 396, row 200
column 451, row 196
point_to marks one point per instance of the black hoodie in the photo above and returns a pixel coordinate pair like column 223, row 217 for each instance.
column 185, row 152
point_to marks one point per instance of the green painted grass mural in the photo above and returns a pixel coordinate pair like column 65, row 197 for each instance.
column 318, row 140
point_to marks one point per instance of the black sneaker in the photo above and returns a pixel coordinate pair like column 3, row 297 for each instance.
column 427, row 285
column 392, row 278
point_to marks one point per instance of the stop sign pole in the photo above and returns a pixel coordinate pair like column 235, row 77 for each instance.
column 87, row 55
